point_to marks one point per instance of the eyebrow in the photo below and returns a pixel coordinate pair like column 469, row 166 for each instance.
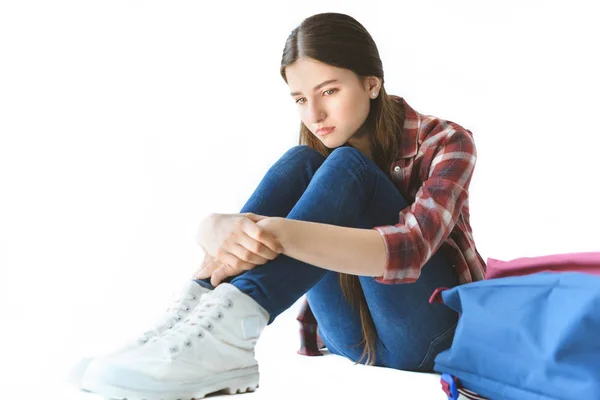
column 320, row 85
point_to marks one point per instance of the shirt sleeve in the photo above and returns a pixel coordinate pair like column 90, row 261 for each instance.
column 426, row 224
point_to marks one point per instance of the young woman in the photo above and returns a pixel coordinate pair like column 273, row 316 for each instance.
column 367, row 216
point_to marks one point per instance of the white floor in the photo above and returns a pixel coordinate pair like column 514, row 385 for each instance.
column 286, row 375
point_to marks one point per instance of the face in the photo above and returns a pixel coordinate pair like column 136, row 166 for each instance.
column 328, row 96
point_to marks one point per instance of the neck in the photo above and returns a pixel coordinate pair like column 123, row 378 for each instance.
column 360, row 140
column 363, row 146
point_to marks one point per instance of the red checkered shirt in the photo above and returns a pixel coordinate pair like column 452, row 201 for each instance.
column 433, row 170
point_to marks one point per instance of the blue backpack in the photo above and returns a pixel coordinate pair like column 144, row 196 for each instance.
column 525, row 337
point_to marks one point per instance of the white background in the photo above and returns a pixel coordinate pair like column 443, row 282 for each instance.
column 124, row 123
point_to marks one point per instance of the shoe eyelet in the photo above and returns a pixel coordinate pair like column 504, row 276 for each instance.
column 187, row 309
column 200, row 334
column 230, row 304
column 209, row 327
column 173, row 349
column 188, row 343
column 193, row 297
column 220, row 315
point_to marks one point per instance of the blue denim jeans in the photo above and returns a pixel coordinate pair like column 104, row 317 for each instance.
column 348, row 189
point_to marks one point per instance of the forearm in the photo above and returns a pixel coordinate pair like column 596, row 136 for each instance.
column 348, row 250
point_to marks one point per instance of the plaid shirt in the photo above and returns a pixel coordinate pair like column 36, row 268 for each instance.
column 433, row 170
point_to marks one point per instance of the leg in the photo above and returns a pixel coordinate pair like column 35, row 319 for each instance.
column 339, row 193
column 281, row 187
column 361, row 196
column 411, row 332
column 213, row 349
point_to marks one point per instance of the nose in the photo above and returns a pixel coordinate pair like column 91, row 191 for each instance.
column 316, row 113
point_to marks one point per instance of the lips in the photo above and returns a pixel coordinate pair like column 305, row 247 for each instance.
column 325, row 131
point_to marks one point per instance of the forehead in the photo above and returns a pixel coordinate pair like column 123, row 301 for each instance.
column 306, row 73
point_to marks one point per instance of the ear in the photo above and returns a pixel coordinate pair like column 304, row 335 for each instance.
column 372, row 84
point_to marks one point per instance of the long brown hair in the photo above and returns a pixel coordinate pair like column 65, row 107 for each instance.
column 341, row 41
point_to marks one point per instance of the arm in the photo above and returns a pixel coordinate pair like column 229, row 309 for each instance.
column 426, row 224
column 348, row 250
column 393, row 253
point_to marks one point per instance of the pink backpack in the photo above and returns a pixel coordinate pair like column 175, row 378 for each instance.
column 573, row 262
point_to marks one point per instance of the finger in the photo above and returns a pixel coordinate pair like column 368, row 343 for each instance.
column 256, row 248
column 246, row 255
column 206, row 262
column 255, row 217
column 233, row 261
column 206, row 269
column 217, row 276
column 243, row 264
column 203, row 273
column 221, row 273
column 262, row 235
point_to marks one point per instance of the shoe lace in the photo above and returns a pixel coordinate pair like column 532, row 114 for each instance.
column 196, row 324
column 171, row 316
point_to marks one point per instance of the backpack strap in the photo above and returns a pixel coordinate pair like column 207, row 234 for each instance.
column 452, row 387
column 436, row 296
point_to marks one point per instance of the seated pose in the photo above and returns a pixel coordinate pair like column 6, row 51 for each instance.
column 364, row 218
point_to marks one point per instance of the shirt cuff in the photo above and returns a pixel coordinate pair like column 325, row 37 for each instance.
column 392, row 274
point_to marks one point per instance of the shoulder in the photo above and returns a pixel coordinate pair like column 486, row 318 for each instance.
column 423, row 133
column 437, row 134
column 433, row 127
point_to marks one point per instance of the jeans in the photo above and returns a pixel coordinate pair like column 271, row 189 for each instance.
column 348, row 189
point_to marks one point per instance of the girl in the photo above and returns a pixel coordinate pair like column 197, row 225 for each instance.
column 367, row 216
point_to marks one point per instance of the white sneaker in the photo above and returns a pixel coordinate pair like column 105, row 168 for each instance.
column 183, row 302
column 210, row 351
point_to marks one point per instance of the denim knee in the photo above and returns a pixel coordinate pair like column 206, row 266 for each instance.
column 346, row 153
column 305, row 150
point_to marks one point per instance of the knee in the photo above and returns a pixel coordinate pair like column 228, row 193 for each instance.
column 345, row 151
column 347, row 154
column 305, row 152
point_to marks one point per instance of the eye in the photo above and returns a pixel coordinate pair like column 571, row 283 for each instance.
column 332, row 91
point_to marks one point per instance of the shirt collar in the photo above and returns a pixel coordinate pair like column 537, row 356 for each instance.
column 409, row 137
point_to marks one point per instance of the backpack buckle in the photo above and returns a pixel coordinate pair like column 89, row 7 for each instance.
column 449, row 386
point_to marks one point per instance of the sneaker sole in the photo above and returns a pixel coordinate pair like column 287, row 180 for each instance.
column 230, row 382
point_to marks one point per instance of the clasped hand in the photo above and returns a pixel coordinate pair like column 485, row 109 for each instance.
column 234, row 243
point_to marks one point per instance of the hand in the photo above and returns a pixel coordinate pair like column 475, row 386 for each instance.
column 206, row 269
column 237, row 240
column 218, row 271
